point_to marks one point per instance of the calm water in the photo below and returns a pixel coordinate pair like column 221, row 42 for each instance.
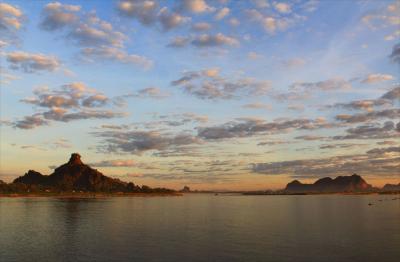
column 201, row 228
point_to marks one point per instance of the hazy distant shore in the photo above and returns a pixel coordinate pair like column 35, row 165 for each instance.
column 87, row 195
column 321, row 193
column 108, row 195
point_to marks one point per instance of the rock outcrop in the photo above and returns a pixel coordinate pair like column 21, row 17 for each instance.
column 185, row 189
column 32, row 178
column 77, row 176
column 391, row 187
column 354, row 183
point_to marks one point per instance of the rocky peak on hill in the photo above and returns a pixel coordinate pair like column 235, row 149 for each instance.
column 75, row 159
column 76, row 176
column 73, row 175
column 74, row 167
column 354, row 183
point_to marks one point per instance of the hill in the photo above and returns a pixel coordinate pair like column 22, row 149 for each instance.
column 75, row 176
column 391, row 187
column 354, row 183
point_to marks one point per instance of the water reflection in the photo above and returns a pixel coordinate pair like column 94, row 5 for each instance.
column 200, row 228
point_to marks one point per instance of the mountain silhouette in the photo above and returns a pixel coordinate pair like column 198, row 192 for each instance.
column 391, row 187
column 77, row 176
column 354, row 183
column 32, row 177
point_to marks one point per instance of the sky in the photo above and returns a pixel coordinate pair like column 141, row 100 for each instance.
column 239, row 95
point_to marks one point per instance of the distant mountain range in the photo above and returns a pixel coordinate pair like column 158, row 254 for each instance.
column 391, row 187
column 74, row 176
column 354, row 183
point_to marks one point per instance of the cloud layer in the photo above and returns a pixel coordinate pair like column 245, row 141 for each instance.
column 30, row 63
column 97, row 39
column 209, row 84
column 74, row 101
column 379, row 161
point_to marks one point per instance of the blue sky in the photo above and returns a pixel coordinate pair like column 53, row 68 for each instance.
column 210, row 94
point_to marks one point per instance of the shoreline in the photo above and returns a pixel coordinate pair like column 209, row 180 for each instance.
column 175, row 194
column 85, row 195
column 322, row 193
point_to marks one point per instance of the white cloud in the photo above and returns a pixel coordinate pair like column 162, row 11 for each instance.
column 222, row 13
column 114, row 163
column 204, row 40
column 95, row 35
column 151, row 92
column 376, row 78
column 70, row 102
column 138, row 142
column 144, row 11
column 282, row 8
column 30, row 122
column 10, row 17
column 97, row 38
column 254, row 55
column 170, row 20
column 249, row 127
column 383, row 18
column 310, row 6
column 6, row 78
column 31, row 62
column 234, row 22
column 273, row 24
column 331, row 84
column 116, row 54
column 219, row 39
column 257, row 106
column 392, row 36
column 196, row 6
column 212, row 72
column 203, row 26
column 56, row 16
column 179, row 41
column 3, row 43
column 294, row 63
column 261, row 3
column 208, row 84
